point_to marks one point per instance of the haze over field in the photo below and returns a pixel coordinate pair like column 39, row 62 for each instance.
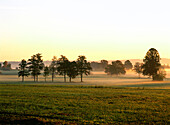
column 96, row 28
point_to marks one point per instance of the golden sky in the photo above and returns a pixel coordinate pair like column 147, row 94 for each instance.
column 97, row 29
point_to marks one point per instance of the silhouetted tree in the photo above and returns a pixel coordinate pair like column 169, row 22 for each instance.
column 36, row 65
column 46, row 72
column 62, row 68
column 151, row 64
column 0, row 65
column 23, row 70
column 116, row 68
column 104, row 63
column 138, row 68
column 72, row 71
column 53, row 67
column 83, row 66
column 6, row 66
column 128, row 65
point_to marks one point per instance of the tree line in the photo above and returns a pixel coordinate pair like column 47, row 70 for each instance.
column 100, row 66
column 151, row 66
column 61, row 66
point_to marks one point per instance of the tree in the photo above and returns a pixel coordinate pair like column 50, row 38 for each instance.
column 53, row 67
column 138, row 68
column 116, row 68
column 46, row 72
column 151, row 64
column 104, row 63
column 63, row 63
column 36, row 65
column 6, row 66
column 128, row 65
column 23, row 70
column 72, row 71
column 83, row 66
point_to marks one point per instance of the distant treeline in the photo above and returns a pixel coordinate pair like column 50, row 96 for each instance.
column 5, row 66
column 101, row 66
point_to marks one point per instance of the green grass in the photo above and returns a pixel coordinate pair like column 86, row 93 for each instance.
column 52, row 104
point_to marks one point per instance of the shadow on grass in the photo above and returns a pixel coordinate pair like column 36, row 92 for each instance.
column 28, row 82
column 148, row 85
column 31, row 119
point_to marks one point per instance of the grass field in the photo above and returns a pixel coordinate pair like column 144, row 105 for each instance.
column 83, row 104
column 101, row 99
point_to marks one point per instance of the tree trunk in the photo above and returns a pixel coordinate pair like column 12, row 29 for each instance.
column 34, row 78
column 139, row 75
column 52, row 77
column 153, row 77
column 22, row 78
column 70, row 79
column 37, row 78
column 81, row 77
column 45, row 78
column 64, row 78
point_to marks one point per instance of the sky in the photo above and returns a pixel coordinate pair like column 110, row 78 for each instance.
column 98, row 29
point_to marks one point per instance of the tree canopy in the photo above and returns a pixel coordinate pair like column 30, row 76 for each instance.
column 53, row 67
column 83, row 66
column 128, row 65
column 46, row 72
column 138, row 68
column 152, row 63
column 116, row 68
column 23, row 69
column 63, row 63
column 72, row 71
column 35, row 65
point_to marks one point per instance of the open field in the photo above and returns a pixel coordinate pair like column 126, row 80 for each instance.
column 83, row 105
column 100, row 99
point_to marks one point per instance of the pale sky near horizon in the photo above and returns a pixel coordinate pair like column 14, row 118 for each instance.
column 98, row 29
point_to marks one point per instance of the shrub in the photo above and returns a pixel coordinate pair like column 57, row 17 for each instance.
column 160, row 76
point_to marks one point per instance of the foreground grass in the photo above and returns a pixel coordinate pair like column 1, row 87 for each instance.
column 50, row 104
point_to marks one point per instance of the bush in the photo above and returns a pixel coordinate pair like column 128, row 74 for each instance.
column 160, row 76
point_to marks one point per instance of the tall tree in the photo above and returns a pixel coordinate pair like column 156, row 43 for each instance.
column 138, row 68
column 23, row 69
column 116, row 68
column 36, row 65
column 72, row 71
column 62, row 68
column 46, row 72
column 83, row 66
column 128, row 65
column 151, row 64
column 53, row 67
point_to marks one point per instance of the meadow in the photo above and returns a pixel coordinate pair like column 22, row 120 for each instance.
column 100, row 99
